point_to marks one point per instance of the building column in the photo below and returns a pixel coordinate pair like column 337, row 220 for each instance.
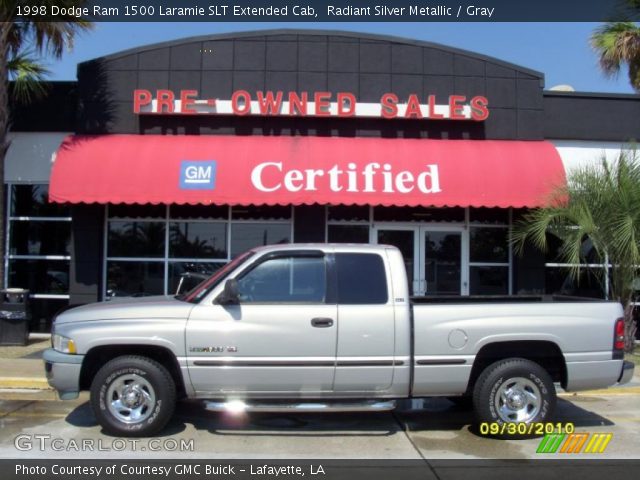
column 87, row 241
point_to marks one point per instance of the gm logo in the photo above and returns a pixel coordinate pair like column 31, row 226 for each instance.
column 196, row 175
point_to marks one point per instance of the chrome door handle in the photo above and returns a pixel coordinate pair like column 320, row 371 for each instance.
column 321, row 322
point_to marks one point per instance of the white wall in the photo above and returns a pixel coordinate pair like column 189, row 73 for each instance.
column 579, row 153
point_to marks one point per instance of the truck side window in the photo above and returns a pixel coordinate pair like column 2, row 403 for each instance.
column 285, row 280
column 362, row 279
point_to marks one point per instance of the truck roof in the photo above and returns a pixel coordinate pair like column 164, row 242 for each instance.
column 323, row 246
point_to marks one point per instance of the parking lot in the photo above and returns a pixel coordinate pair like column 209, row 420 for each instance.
column 438, row 430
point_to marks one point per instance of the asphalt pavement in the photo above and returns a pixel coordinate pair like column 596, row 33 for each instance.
column 34, row 424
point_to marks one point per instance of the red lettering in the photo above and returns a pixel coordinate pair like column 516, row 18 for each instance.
column 389, row 102
column 479, row 108
column 140, row 98
column 322, row 101
column 165, row 98
column 298, row 103
column 268, row 104
column 241, row 102
column 346, row 104
column 187, row 100
column 413, row 107
column 432, row 108
column 455, row 109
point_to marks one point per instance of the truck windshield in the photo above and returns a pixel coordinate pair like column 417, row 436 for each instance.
column 202, row 289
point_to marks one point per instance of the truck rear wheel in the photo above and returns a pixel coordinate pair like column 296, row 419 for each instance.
column 133, row 396
column 515, row 391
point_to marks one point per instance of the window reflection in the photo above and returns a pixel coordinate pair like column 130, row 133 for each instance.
column 249, row 235
column 198, row 240
column 489, row 280
column 33, row 201
column 136, row 239
column 40, row 276
column 489, row 245
column 40, row 238
column 135, row 279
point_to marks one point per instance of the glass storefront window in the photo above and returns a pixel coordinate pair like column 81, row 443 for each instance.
column 39, row 250
column 489, row 216
column 559, row 281
column 33, row 201
column 488, row 245
column 126, row 279
column 248, row 235
column 492, row 280
column 137, row 211
column 43, row 310
column 553, row 254
column 40, row 276
column 40, row 238
column 198, row 240
column 348, row 233
column 151, row 237
column 353, row 213
column 261, row 212
column 136, row 239
column 205, row 212
column 187, row 275
column 418, row 214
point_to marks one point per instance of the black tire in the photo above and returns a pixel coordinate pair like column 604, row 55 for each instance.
column 522, row 382
column 148, row 391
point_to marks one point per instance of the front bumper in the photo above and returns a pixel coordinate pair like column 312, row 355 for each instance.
column 63, row 372
column 627, row 373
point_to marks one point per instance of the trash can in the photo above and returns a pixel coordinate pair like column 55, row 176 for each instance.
column 14, row 316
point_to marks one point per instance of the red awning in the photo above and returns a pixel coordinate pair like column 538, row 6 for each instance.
column 303, row 170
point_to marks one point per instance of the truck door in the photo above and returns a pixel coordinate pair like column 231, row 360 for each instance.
column 279, row 339
column 366, row 323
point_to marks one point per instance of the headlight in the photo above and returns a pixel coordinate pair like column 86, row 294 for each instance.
column 63, row 344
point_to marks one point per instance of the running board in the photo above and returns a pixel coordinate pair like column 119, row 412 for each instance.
column 238, row 406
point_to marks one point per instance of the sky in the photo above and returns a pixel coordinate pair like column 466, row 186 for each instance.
column 559, row 50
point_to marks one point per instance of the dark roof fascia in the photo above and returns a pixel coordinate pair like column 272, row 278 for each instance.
column 341, row 33
column 603, row 95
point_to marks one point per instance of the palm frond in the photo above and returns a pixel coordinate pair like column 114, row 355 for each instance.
column 46, row 37
column 616, row 43
column 600, row 219
column 28, row 76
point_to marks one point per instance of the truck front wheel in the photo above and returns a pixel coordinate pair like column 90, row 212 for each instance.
column 133, row 396
column 515, row 391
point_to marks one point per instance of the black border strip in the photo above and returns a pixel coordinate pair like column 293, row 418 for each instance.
column 266, row 363
column 455, row 361
column 294, row 363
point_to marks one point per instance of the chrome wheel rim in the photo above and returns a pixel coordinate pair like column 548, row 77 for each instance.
column 130, row 398
column 518, row 400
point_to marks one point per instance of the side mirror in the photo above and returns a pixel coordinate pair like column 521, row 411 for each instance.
column 229, row 295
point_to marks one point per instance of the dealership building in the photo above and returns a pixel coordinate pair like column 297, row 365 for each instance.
column 175, row 157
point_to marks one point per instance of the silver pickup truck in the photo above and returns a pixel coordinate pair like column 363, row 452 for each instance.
column 322, row 327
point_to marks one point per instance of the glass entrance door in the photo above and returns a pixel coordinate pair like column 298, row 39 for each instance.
column 436, row 258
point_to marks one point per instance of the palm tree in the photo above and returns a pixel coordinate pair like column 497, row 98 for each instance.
column 20, row 42
column 618, row 43
column 600, row 206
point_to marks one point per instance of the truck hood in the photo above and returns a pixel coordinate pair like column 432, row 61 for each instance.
column 160, row 306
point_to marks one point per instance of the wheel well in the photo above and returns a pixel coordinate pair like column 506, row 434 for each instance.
column 98, row 356
column 546, row 354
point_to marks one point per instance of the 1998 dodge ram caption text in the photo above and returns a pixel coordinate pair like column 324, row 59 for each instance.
column 416, row 11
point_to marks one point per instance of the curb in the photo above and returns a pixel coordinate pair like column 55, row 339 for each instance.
column 30, row 383
column 605, row 391
column 34, row 383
